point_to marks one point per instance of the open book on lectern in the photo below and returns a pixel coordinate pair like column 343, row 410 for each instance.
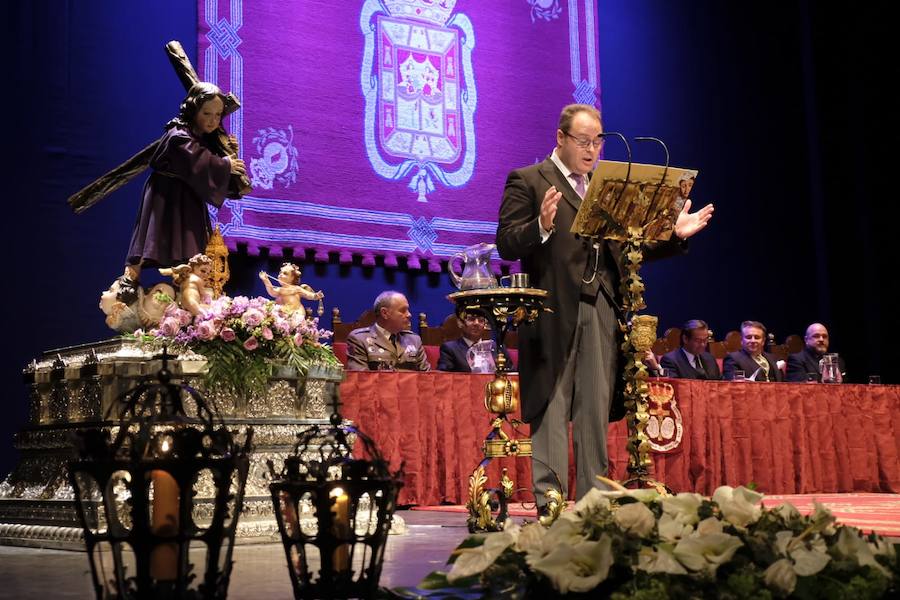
column 623, row 195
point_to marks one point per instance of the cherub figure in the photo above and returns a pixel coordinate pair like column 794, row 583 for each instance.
column 290, row 292
column 191, row 280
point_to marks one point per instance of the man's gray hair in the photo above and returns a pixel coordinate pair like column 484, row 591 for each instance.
column 384, row 300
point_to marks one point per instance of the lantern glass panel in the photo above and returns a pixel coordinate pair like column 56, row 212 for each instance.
column 233, row 489
column 198, row 556
column 88, row 495
column 119, row 497
column 104, row 559
column 203, row 486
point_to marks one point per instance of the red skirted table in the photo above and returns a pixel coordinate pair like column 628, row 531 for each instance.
column 787, row 438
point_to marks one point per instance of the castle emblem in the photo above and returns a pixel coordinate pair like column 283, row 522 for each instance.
column 420, row 92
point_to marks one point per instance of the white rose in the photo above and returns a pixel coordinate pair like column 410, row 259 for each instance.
column 781, row 576
column 635, row 518
column 739, row 506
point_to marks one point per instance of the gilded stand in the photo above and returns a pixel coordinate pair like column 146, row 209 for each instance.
column 505, row 308
column 633, row 204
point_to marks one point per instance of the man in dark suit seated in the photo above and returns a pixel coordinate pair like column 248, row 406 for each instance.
column 454, row 354
column 692, row 361
column 756, row 364
column 804, row 366
column 388, row 344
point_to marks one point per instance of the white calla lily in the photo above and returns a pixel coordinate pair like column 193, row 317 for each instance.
column 576, row 568
column 706, row 552
column 739, row 506
column 472, row 561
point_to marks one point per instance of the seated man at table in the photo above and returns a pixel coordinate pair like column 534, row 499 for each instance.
column 804, row 366
column 692, row 361
column 454, row 354
column 755, row 364
column 388, row 344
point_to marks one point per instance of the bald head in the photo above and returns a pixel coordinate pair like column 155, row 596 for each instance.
column 816, row 338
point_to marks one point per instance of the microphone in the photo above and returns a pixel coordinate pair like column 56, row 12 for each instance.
column 650, row 138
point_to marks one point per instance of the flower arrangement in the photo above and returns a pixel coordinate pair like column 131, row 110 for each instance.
column 242, row 340
column 642, row 546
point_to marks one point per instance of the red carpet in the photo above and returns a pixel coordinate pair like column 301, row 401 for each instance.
column 870, row 512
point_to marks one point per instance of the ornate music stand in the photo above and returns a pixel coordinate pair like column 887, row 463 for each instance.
column 633, row 204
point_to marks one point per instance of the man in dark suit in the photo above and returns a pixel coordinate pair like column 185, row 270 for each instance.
column 388, row 344
column 756, row 364
column 454, row 354
column 692, row 361
column 539, row 206
column 804, row 366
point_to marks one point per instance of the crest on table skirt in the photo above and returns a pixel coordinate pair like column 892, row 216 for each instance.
column 420, row 94
column 665, row 425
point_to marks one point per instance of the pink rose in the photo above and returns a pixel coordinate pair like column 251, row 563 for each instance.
column 252, row 317
column 184, row 318
column 267, row 333
column 298, row 339
column 251, row 344
column 206, row 331
column 169, row 326
column 228, row 334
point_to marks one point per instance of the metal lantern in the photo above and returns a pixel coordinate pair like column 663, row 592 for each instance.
column 160, row 502
column 334, row 511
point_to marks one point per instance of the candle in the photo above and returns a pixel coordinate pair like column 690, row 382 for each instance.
column 341, row 528
column 164, row 522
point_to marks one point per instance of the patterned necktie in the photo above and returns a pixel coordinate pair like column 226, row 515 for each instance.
column 762, row 362
column 579, row 184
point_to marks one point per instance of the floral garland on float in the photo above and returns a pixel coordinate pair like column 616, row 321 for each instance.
column 638, row 545
column 243, row 340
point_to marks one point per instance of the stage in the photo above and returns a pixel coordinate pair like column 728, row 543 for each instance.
column 260, row 569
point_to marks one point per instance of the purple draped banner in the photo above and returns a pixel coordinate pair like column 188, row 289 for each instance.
column 387, row 127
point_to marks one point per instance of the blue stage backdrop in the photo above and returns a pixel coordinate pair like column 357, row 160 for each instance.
column 781, row 116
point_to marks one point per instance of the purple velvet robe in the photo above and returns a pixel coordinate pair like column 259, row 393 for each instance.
column 173, row 223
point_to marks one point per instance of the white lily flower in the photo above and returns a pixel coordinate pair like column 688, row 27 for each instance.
column 781, row 576
column 659, row 560
column 739, row 506
column 595, row 499
column 577, row 568
column 787, row 511
column 643, row 495
column 683, row 507
column 804, row 560
column 635, row 518
column 710, row 525
column 531, row 537
column 672, row 530
column 850, row 544
column 706, row 552
column 472, row 561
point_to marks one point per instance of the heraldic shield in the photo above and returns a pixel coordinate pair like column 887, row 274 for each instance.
column 665, row 426
column 420, row 93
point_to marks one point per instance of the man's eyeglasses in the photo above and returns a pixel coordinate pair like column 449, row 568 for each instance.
column 585, row 142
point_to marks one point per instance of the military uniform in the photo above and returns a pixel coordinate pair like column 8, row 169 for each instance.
column 371, row 349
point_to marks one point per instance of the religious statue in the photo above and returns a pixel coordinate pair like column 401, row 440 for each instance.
column 194, row 295
column 143, row 312
column 289, row 293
